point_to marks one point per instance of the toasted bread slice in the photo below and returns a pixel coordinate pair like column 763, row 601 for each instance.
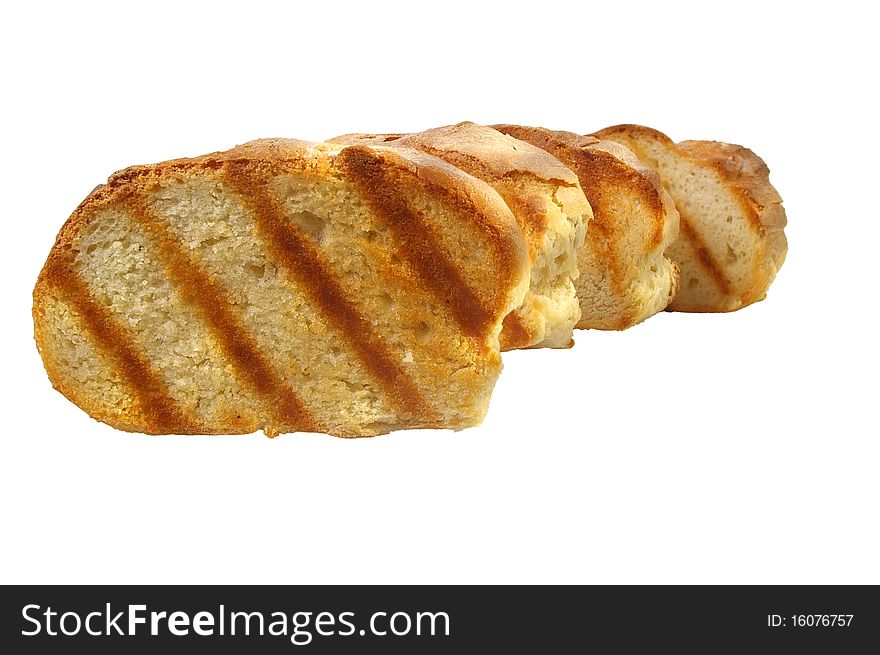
column 286, row 287
column 549, row 205
column 625, row 276
column 731, row 242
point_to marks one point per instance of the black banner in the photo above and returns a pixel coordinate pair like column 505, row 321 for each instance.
column 290, row 619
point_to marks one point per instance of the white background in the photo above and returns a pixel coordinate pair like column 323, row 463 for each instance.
column 738, row 448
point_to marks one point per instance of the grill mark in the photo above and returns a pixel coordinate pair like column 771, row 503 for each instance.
column 598, row 175
column 196, row 287
column 304, row 264
column 530, row 217
column 602, row 236
column 529, row 212
column 601, row 175
column 650, row 192
column 704, row 257
column 160, row 414
column 686, row 227
column 514, row 333
column 417, row 242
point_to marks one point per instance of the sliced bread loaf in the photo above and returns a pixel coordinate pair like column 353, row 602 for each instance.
column 549, row 205
column 624, row 275
column 286, row 287
column 731, row 241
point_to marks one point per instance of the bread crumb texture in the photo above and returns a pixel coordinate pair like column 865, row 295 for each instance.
column 548, row 204
column 284, row 287
column 732, row 241
column 625, row 275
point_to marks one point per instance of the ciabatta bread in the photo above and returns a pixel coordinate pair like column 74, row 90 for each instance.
column 731, row 242
column 286, row 287
column 549, row 205
column 625, row 275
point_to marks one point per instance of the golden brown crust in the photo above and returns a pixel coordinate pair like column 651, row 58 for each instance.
column 489, row 155
column 747, row 178
column 604, row 169
column 601, row 164
column 484, row 149
column 246, row 169
column 514, row 333
column 405, row 168
column 632, row 131
column 381, row 184
column 528, row 179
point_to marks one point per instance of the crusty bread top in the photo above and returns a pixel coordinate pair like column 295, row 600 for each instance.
column 747, row 178
column 489, row 155
column 271, row 156
column 548, row 203
column 481, row 147
column 247, row 173
column 747, row 174
column 598, row 158
column 487, row 211
column 618, row 249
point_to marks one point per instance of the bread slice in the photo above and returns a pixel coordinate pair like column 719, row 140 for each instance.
column 732, row 241
column 549, row 205
column 625, row 276
column 286, row 287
